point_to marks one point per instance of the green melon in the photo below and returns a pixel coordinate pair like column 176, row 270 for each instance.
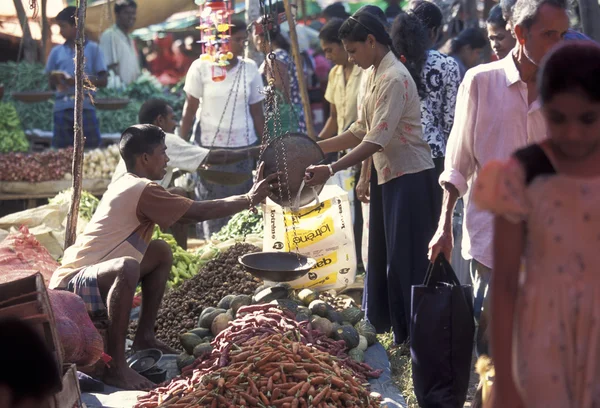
column 352, row 315
column 189, row 341
column 349, row 335
column 367, row 330
column 357, row 355
column 202, row 348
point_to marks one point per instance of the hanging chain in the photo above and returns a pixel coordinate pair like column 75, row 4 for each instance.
column 233, row 93
column 277, row 137
column 273, row 112
column 247, row 107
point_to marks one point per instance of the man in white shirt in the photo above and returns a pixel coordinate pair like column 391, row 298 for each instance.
column 183, row 156
column 118, row 47
column 497, row 112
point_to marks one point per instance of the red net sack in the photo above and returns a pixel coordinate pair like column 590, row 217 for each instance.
column 81, row 341
column 22, row 255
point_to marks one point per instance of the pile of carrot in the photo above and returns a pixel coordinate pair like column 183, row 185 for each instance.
column 267, row 371
column 266, row 359
column 264, row 320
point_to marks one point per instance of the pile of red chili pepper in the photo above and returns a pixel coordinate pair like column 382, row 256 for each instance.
column 264, row 358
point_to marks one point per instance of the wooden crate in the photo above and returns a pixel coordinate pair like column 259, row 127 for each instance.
column 27, row 299
column 70, row 396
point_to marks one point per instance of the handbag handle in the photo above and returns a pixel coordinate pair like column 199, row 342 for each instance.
column 440, row 271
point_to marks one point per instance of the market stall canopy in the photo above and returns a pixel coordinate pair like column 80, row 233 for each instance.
column 182, row 21
column 149, row 12
column 9, row 22
column 187, row 20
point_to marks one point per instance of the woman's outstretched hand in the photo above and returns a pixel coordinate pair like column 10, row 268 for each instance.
column 316, row 175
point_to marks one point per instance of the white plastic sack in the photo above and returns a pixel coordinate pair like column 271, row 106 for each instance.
column 48, row 223
column 321, row 231
column 346, row 180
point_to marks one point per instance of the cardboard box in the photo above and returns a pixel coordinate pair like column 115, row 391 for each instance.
column 27, row 299
column 70, row 396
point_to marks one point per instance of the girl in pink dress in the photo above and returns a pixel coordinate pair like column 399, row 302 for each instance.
column 545, row 291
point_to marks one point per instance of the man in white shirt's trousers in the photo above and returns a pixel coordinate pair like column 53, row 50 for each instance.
column 497, row 112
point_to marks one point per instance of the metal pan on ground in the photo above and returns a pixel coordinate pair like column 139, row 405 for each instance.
column 111, row 103
column 277, row 266
column 290, row 155
column 144, row 360
column 32, row 96
column 224, row 177
column 156, row 375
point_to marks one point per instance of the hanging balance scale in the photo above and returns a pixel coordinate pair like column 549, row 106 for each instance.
column 215, row 34
column 288, row 154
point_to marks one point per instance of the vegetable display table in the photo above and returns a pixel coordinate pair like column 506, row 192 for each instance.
column 30, row 192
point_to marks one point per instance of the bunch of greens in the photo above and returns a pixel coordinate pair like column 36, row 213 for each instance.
column 25, row 76
column 12, row 137
column 144, row 88
column 240, row 225
column 116, row 121
column 87, row 204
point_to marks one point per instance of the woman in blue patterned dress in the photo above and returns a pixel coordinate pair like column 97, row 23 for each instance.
column 283, row 72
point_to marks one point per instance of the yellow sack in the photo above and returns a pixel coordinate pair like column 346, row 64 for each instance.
column 322, row 231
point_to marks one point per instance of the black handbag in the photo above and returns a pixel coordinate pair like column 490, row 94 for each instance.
column 441, row 337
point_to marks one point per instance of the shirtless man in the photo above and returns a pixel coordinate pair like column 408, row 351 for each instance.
column 116, row 251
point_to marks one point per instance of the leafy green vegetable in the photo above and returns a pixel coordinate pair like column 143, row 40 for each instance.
column 12, row 137
column 25, row 76
column 116, row 121
column 144, row 88
column 240, row 225
column 36, row 115
column 88, row 203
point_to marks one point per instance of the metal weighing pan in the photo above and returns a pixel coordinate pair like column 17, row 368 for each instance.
column 224, row 177
column 291, row 154
column 144, row 360
column 32, row 96
column 277, row 266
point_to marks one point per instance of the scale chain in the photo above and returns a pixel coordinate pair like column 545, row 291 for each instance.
column 277, row 128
